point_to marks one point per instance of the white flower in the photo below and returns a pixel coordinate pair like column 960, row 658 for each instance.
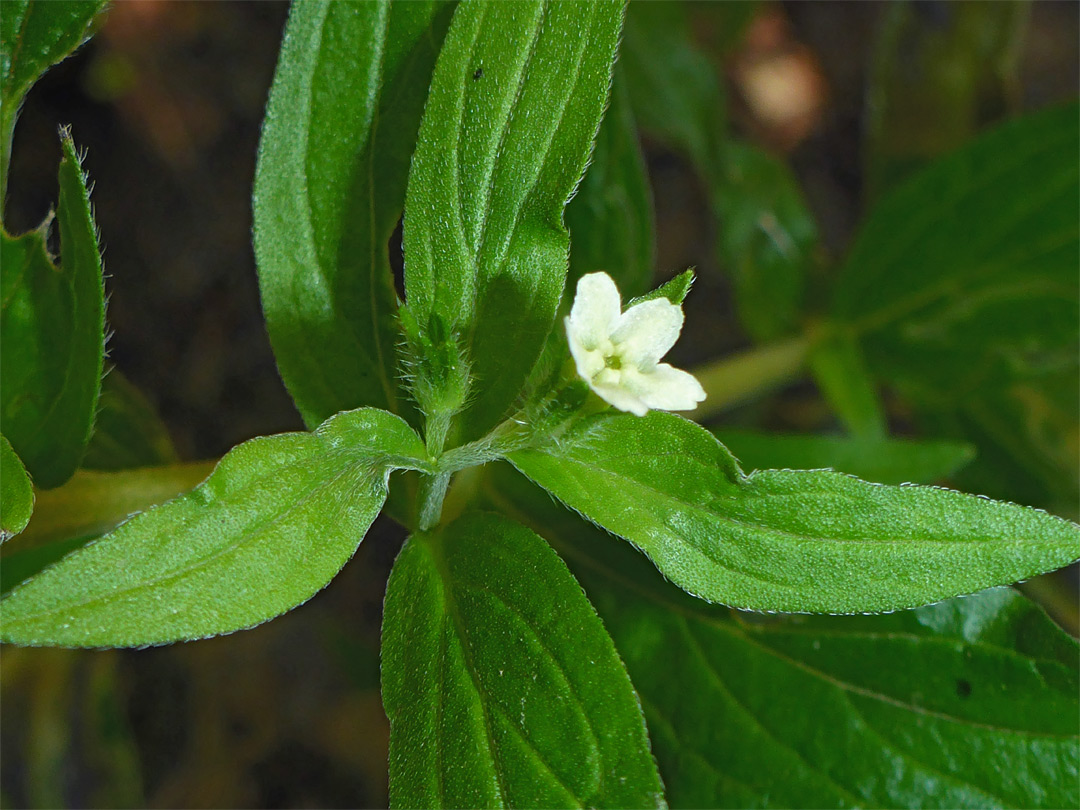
column 618, row 353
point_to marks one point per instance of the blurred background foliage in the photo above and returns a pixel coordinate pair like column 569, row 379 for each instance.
column 801, row 115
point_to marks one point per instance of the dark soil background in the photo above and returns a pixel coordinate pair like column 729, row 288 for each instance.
column 167, row 101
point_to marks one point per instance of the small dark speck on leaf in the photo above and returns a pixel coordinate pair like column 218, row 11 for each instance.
column 478, row 73
column 963, row 688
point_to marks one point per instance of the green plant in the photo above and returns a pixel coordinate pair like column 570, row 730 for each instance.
column 455, row 409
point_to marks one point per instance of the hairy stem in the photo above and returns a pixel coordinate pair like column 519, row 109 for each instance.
column 431, row 495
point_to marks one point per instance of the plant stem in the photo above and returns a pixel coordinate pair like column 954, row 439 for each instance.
column 735, row 379
column 431, row 495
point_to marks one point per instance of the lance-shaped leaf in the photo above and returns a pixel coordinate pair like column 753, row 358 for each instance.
column 34, row 35
column 52, row 326
column 329, row 189
column 16, row 494
column 274, row 522
column 611, row 215
column 501, row 685
column 784, row 540
column 516, row 98
column 963, row 287
column 969, row 703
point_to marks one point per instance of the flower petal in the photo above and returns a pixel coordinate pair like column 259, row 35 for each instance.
column 589, row 362
column 595, row 311
column 646, row 332
column 620, row 397
column 665, row 388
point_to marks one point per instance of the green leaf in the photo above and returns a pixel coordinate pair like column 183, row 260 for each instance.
column 329, row 189
column 935, row 79
column 766, row 238
column 886, row 461
column 501, row 685
column 674, row 290
column 53, row 332
column 276, row 520
column 611, row 215
column 841, row 374
column 34, row 35
column 787, row 540
column 673, row 86
column 516, row 99
column 128, row 433
column 968, row 703
column 16, row 494
column 963, row 286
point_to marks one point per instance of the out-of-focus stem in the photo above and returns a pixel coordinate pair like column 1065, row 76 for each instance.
column 737, row 378
column 93, row 502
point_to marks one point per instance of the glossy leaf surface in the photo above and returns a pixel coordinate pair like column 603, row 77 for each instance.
column 340, row 129
column 34, row 35
column 783, row 540
column 963, row 285
column 16, row 493
column 516, row 99
column 972, row 702
column 53, row 333
column 501, row 685
column 275, row 521
column 884, row 461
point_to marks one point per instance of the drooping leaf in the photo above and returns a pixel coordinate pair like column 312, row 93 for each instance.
column 972, row 702
column 936, row 77
column 783, row 540
column 16, row 493
column 885, row 461
column 276, row 520
column 963, row 285
column 501, row 685
column 516, row 99
column 128, row 433
column 767, row 239
column 52, row 326
column 34, row 35
column 611, row 215
column 329, row 189
column 673, row 86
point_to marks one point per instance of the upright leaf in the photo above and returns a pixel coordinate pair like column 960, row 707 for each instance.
column 16, row 494
column 787, row 540
column 673, row 85
column 963, row 285
column 274, row 522
column 516, row 98
column 52, row 326
column 329, row 189
column 502, row 687
column 34, row 35
column 968, row 703
column 611, row 215
column 766, row 238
